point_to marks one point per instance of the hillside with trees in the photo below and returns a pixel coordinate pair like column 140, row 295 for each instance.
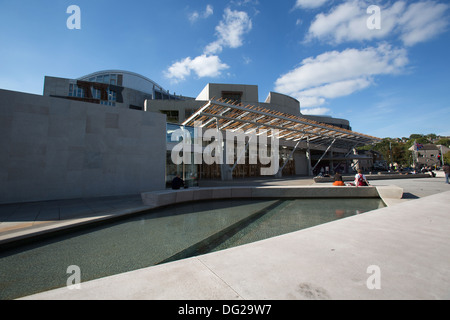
column 397, row 148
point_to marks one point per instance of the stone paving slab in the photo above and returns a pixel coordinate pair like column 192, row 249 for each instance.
column 24, row 218
column 408, row 243
column 20, row 221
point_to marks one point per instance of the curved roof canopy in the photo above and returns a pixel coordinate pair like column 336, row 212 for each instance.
column 131, row 80
column 231, row 116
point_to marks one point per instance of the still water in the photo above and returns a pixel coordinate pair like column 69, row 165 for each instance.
column 163, row 235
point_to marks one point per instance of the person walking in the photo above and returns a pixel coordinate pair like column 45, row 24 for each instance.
column 446, row 169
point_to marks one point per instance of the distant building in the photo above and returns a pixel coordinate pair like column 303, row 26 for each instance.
column 428, row 155
column 369, row 160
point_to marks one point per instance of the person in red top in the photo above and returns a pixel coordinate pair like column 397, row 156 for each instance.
column 360, row 179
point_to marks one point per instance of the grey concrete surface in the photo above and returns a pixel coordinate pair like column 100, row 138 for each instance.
column 170, row 197
column 23, row 220
column 55, row 148
column 407, row 241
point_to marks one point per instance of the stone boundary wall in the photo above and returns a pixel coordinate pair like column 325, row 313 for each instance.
column 54, row 148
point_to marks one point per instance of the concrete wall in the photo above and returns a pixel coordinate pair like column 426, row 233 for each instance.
column 56, row 86
column 185, row 108
column 342, row 123
column 301, row 163
column 284, row 103
column 57, row 149
column 214, row 90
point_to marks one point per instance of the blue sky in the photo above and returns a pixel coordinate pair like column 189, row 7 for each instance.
column 389, row 82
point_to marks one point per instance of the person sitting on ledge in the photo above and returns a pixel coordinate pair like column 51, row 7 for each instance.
column 360, row 179
column 177, row 183
column 338, row 182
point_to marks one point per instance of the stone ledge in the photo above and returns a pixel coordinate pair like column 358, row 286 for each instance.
column 170, row 197
column 386, row 176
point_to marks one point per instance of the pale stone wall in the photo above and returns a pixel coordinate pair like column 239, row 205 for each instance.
column 54, row 148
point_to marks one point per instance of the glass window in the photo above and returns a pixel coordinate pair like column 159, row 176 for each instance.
column 100, row 79
column 189, row 173
column 171, row 128
column 231, row 95
column 172, row 115
column 106, row 79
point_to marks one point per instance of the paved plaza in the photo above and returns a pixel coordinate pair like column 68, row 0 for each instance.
column 407, row 242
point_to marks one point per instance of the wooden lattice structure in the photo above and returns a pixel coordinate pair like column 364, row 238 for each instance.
column 225, row 115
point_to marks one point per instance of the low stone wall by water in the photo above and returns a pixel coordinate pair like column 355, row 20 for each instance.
column 169, row 197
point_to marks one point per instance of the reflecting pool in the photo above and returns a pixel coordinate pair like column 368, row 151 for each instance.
column 163, row 235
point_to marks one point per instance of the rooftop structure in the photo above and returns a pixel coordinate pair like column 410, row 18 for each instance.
column 309, row 143
column 233, row 116
column 116, row 88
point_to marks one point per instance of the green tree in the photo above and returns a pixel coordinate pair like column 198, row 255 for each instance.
column 444, row 142
column 415, row 136
column 447, row 158
column 397, row 150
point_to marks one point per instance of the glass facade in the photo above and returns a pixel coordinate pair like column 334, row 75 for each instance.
column 106, row 78
column 77, row 92
column 173, row 116
column 123, row 79
column 110, row 79
column 188, row 172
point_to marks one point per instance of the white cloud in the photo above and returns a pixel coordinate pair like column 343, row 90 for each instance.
column 194, row 16
column 338, row 89
column 244, row 2
column 209, row 11
column 316, row 111
column 423, row 21
column 202, row 66
column 247, row 60
column 337, row 74
column 230, row 34
column 413, row 23
column 309, row 4
column 230, row 31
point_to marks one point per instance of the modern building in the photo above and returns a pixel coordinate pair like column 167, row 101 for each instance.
column 110, row 133
column 130, row 90
column 114, row 88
